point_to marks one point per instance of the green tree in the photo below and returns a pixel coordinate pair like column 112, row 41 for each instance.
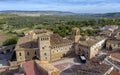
column 10, row 41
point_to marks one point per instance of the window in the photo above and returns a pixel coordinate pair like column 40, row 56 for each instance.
column 45, row 53
column 28, row 54
column 35, row 53
column 46, row 58
column 42, row 47
column 20, row 54
column 41, row 39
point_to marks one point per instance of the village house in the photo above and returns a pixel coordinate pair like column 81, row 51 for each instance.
column 89, row 46
column 110, row 31
column 113, row 44
column 94, row 69
column 39, row 68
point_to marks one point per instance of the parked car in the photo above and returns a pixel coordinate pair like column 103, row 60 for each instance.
column 82, row 59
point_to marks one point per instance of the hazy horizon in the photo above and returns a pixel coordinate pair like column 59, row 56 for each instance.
column 75, row 6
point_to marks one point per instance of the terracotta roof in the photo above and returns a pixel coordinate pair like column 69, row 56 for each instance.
column 29, row 42
column 56, row 39
column 91, row 68
column 92, row 40
column 26, row 42
column 114, row 72
column 30, row 68
column 115, row 55
column 47, row 66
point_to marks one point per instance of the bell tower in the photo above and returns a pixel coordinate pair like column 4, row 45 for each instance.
column 76, row 34
column 44, row 47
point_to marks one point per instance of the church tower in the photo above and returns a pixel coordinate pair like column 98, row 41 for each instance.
column 44, row 47
column 76, row 34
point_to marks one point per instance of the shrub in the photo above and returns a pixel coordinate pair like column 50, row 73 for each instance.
column 10, row 41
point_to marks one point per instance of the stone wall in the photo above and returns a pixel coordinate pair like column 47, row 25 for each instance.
column 20, row 55
column 60, row 52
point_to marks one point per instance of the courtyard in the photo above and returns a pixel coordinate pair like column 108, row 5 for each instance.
column 68, row 65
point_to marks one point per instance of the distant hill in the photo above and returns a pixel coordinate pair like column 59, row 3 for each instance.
column 39, row 12
column 108, row 15
column 63, row 13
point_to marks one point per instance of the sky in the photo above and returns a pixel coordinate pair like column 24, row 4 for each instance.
column 76, row 6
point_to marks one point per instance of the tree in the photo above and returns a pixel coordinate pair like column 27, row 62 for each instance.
column 10, row 41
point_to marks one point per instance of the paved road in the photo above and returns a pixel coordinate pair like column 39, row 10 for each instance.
column 106, row 59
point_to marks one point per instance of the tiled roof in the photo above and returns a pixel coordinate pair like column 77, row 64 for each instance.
column 26, row 42
column 114, row 72
column 30, row 68
column 56, row 39
column 115, row 55
column 47, row 66
column 91, row 68
column 113, row 41
column 91, row 40
column 29, row 42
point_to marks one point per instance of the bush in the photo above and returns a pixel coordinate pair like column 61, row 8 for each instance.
column 10, row 41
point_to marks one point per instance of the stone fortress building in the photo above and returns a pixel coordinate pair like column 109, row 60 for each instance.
column 48, row 46
column 45, row 45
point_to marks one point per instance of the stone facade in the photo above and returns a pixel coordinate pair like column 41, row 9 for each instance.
column 48, row 46
column 89, row 47
column 44, row 45
column 113, row 44
column 76, row 34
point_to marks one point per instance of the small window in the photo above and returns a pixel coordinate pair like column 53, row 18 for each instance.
column 20, row 54
column 45, row 53
column 35, row 53
column 42, row 47
column 28, row 53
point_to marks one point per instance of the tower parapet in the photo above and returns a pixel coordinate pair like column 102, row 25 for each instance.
column 76, row 34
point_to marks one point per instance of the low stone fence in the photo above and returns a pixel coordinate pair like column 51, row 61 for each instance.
column 9, row 68
column 13, row 65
